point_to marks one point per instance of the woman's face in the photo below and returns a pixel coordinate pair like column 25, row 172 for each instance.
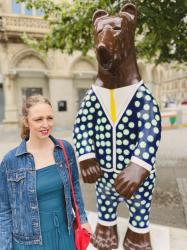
column 40, row 120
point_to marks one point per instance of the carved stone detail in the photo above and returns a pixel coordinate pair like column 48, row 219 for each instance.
column 24, row 24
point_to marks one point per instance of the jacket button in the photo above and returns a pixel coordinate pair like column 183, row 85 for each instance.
column 34, row 207
column 35, row 224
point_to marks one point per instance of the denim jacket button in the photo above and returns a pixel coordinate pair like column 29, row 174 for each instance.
column 33, row 207
column 35, row 224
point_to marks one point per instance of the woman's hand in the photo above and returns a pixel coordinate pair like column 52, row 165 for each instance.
column 87, row 227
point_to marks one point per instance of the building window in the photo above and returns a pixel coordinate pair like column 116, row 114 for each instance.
column 26, row 92
column 39, row 12
column 16, row 7
column 28, row 12
column 21, row 8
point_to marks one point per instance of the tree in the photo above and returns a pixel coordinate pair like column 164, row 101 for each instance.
column 161, row 27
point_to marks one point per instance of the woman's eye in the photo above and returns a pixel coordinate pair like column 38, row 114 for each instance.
column 50, row 118
column 39, row 119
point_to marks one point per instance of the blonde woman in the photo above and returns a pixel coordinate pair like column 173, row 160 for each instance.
column 35, row 195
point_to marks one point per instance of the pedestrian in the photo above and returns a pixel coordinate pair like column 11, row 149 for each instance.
column 36, row 208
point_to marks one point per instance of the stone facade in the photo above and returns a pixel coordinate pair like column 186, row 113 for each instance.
column 62, row 78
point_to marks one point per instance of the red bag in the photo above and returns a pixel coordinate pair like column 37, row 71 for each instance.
column 82, row 237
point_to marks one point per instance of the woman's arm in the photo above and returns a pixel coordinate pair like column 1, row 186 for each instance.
column 5, row 212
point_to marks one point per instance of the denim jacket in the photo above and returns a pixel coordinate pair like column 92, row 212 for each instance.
column 19, row 212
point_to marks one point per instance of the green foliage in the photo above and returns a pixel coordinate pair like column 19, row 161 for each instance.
column 161, row 28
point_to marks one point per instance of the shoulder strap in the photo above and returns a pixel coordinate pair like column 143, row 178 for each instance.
column 71, row 183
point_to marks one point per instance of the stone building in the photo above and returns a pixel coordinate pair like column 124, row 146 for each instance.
column 62, row 78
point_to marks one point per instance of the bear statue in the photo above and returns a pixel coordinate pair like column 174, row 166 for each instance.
column 117, row 133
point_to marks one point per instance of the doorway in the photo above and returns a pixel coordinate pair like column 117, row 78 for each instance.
column 81, row 94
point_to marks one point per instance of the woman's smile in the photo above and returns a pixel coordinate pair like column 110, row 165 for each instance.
column 44, row 131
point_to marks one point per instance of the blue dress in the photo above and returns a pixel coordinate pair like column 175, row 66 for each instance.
column 53, row 218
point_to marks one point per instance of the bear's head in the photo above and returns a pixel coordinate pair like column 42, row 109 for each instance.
column 114, row 36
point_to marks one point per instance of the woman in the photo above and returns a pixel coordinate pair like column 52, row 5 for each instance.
column 35, row 194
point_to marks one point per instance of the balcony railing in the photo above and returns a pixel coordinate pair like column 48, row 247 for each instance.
column 19, row 24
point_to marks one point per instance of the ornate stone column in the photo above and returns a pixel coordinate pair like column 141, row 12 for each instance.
column 11, row 111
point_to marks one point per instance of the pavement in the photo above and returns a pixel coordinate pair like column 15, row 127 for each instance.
column 162, row 237
column 169, row 205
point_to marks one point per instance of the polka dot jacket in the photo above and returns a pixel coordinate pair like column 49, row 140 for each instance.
column 135, row 135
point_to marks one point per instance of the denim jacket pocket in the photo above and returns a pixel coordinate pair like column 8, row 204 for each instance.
column 16, row 186
column 16, row 176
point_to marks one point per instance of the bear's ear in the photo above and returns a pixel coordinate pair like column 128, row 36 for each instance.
column 99, row 13
column 130, row 9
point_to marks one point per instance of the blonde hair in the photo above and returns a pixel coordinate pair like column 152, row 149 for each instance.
column 27, row 104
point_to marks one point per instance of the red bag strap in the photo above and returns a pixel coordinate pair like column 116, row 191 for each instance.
column 71, row 184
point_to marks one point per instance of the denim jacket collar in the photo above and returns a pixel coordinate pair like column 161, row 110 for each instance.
column 22, row 148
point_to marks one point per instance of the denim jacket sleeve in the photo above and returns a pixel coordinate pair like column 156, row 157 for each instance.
column 77, row 188
column 5, row 212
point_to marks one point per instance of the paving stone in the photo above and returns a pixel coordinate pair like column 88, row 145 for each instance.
column 182, row 184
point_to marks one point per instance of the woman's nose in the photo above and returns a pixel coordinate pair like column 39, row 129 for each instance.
column 45, row 123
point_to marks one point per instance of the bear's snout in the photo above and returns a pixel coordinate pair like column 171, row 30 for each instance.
column 108, row 44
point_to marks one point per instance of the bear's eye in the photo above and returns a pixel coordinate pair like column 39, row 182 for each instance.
column 99, row 31
column 117, row 28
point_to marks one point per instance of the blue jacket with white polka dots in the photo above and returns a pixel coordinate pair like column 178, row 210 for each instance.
column 134, row 137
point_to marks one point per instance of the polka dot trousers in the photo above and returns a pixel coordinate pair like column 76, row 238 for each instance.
column 139, row 205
